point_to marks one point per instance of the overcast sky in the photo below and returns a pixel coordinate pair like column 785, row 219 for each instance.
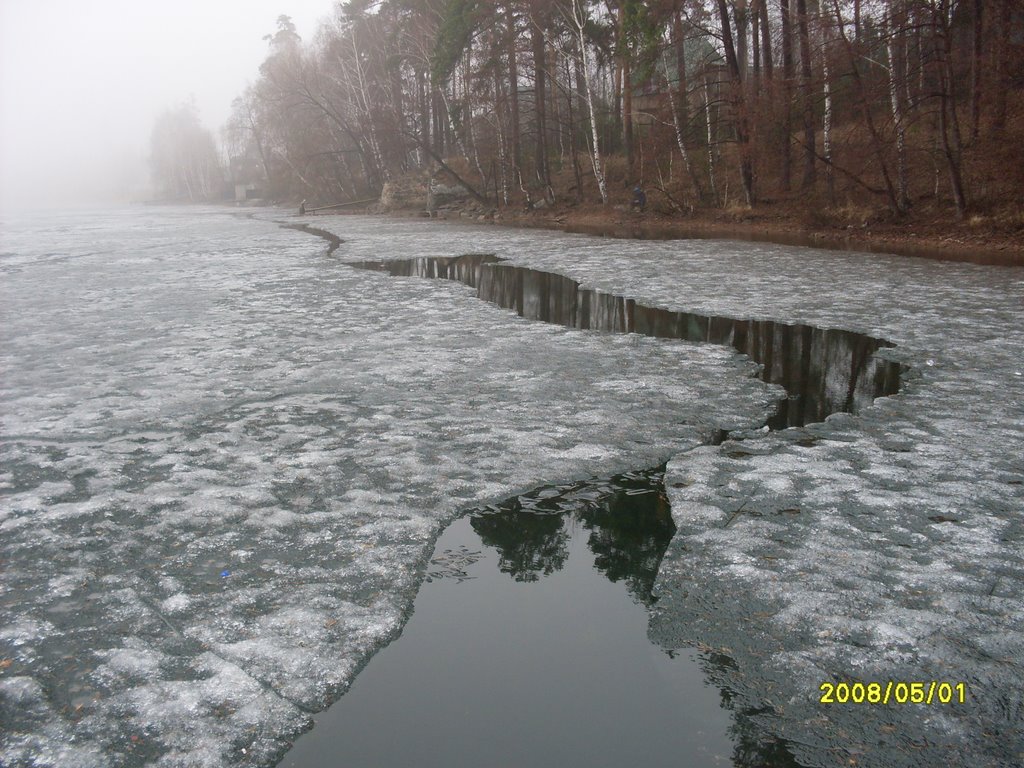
column 82, row 82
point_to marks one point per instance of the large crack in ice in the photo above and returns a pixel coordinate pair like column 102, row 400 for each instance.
column 885, row 546
column 823, row 371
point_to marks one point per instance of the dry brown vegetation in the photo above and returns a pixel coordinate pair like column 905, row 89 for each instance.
column 892, row 120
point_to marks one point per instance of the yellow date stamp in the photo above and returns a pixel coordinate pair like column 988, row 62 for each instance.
column 894, row 692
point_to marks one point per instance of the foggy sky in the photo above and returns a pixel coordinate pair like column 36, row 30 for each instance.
column 82, row 83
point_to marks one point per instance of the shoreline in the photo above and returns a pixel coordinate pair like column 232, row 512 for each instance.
column 937, row 241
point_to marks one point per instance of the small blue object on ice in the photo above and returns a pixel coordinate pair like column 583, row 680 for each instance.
column 225, row 573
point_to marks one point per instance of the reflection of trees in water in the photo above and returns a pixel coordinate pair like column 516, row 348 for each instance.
column 750, row 749
column 629, row 525
column 628, row 520
column 629, row 533
column 754, row 745
column 529, row 544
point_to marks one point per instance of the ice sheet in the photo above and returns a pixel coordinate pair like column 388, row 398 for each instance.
column 226, row 456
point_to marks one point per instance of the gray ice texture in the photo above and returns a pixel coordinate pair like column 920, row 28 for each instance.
column 226, row 457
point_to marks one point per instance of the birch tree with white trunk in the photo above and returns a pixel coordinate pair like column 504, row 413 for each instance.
column 579, row 22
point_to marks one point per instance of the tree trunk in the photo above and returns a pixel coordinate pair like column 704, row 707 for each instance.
column 976, row 67
column 1003, row 69
column 952, row 147
column 787, row 96
column 755, row 44
column 897, row 70
column 379, row 170
column 556, row 107
column 681, row 140
column 540, row 159
column 467, row 111
column 679, row 42
column 513, row 88
column 739, row 106
column 826, row 132
column 579, row 20
column 740, row 12
column 806, row 94
column 573, row 147
column 437, row 117
column 624, row 89
column 501, row 125
column 766, row 40
column 679, row 101
column 423, row 131
column 711, row 143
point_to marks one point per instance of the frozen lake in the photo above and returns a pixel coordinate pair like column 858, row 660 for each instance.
column 227, row 457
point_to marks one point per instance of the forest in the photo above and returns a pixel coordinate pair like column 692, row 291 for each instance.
column 881, row 105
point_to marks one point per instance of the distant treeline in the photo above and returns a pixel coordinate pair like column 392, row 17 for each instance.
column 709, row 102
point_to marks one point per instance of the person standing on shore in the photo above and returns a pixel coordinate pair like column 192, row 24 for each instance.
column 639, row 198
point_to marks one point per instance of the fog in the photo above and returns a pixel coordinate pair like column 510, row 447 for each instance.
column 82, row 83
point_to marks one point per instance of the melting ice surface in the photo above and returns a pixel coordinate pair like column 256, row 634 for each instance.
column 226, row 457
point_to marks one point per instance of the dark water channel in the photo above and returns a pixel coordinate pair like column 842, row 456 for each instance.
column 528, row 644
column 822, row 370
column 528, row 647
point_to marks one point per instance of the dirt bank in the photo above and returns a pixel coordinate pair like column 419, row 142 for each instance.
column 978, row 241
column 926, row 233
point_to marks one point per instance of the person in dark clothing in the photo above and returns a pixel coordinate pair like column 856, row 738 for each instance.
column 639, row 198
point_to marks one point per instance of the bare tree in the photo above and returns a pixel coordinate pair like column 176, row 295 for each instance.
column 480, row 88
column 183, row 156
column 949, row 125
column 740, row 106
column 897, row 71
column 787, row 95
column 578, row 19
column 806, row 93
